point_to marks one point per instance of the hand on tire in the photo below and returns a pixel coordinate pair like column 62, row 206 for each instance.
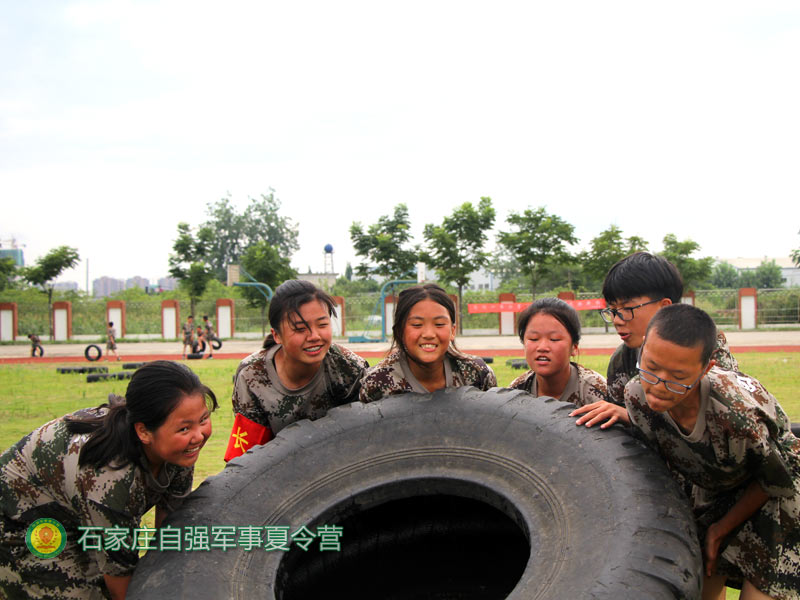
column 714, row 538
column 597, row 412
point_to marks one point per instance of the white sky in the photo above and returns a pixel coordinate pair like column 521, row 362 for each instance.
column 118, row 119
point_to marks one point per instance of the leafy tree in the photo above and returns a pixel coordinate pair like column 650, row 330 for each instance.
column 382, row 246
column 695, row 271
column 348, row 272
column 764, row 276
column 8, row 270
column 796, row 257
column 456, row 246
column 46, row 269
column 344, row 287
column 538, row 242
column 265, row 264
column 233, row 233
column 189, row 263
column 606, row 250
column 725, row 275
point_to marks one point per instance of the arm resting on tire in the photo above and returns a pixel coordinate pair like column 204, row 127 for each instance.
column 753, row 498
column 597, row 412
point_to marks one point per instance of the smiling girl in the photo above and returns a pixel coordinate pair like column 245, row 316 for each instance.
column 550, row 330
column 423, row 357
column 298, row 374
column 100, row 468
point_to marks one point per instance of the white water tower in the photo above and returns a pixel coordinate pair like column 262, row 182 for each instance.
column 328, row 259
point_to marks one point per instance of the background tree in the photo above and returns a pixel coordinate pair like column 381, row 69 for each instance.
column 537, row 242
column 46, row 269
column 265, row 264
column 382, row 245
column 725, row 275
column 695, row 271
column 796, row 257
column 189, row 263
column 8, row 271
column 233, row 233
column 606, row 250
column 456, row 246
column 765, row 276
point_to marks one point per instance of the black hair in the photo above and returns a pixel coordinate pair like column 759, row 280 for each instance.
column 111, row 323
column 205, row 317
column 406, row 301
column 190, row 317
column 685, row 326
column 556, row 308
column 287, row 300
column 643, row 274
column 155, row 389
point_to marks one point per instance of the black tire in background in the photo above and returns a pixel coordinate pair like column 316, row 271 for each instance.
column 132, row 365
column 92, row 352
column 216, row 344
column 460, row 494
column 194, row 355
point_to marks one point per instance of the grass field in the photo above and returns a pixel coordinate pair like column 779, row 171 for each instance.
column 31, row 395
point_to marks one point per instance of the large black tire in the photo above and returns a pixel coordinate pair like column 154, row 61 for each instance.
column 198, row 347
column 93, row 352
column 216, row 343
column 460, row 494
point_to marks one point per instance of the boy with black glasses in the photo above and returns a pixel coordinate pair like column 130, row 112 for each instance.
column 635, row 289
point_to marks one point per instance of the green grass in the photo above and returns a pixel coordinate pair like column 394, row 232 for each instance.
column 31, row 395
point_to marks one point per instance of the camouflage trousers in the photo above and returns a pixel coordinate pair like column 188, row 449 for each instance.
column 23, row 575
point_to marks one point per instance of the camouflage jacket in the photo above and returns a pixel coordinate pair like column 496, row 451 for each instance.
column 741, row 435
column 40, row 477
column 259, row 395
column 393, row 376
column 622, row 366
column 584, row 386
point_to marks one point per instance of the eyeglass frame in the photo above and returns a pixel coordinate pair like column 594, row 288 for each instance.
column 616, row 312
column 681, row 392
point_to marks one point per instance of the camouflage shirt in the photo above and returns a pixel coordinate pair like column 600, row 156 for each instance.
column 40, row 477
column 622, row 366
column 584, row 386
column 741, row 435
column 259, row 395
column 393, row 376
column 188, row 333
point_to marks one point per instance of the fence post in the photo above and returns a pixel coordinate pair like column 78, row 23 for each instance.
column 115, row 313
column 226, row 318
column 337, row 321
column 688, row 298
column 62, row 320
column 8, row 321
column 170, row 319
column 508, row 320
column 748, row 308
column 388, row 311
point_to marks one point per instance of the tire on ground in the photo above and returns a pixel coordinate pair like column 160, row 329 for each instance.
column 194, row 355
column 198, row 347
column 460, row 494
column 92, row 352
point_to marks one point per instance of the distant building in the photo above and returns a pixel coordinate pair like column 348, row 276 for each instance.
column 105, row 286
column 483, row 281
column 66, row 286
column 321, row 280
column 137, row 281
column 789, row 272
column 9, row 249
column 167, row 283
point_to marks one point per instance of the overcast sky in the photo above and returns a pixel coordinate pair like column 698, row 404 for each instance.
column 118, row 119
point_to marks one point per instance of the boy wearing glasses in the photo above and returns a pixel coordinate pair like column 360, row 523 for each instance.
column 635, row 289
column 724, row 434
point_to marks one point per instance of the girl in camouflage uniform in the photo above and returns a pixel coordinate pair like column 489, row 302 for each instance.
column 550, row 331
column 100, row 468
column 728, row 437
column 423, row 357
column 298, row 374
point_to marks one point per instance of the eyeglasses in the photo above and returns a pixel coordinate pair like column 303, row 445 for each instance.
column 625, row 313
column 672, row 386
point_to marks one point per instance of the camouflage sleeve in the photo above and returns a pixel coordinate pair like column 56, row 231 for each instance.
column 384, row 379
column 245, row 401
column 722, row 355
column 179, row 487
column 488, row 377
column 523, row 382
column 350, row 369
column 592, row 387
column 758, row 450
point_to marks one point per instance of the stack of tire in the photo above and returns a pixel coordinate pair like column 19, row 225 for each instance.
column 459, row 494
